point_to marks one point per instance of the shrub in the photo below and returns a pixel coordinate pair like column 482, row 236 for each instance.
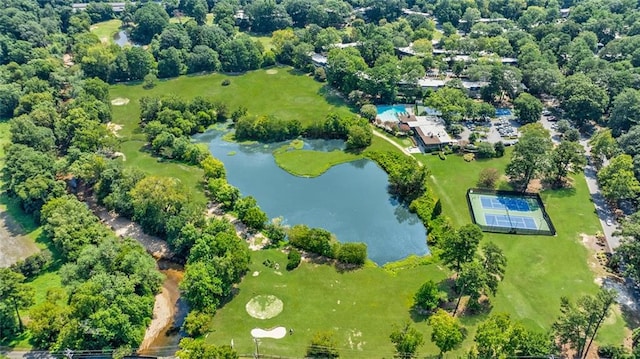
column 149, row 82
column 320, row 75
column 315, row 240
column 428, row 297
column 33, row 265
column 370, row 112
column 468, row 157
column 352, row 253
column 499, row 148
column 442, row 156
column 488, row 178
column 293, row 259
column 486, row 150
column 323, row 345
column 226, row 82
column 196, row 323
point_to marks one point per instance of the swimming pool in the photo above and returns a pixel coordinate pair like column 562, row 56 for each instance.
column 389, row 113
column 503, row 112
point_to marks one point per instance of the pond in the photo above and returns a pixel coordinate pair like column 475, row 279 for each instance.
column 121, row 38
column 349, row 200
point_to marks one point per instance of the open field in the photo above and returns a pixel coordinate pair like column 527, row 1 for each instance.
column 106, row 29
column 356, row 305
column 540, row 269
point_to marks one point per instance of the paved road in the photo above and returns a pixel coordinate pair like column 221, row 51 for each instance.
column 607, row 219
column 17, row 354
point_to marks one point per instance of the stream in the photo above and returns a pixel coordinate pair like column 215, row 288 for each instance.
column 163, row 334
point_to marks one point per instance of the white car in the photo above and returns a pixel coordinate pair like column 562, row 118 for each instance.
column 609, row 222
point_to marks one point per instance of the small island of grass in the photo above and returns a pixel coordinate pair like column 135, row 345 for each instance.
column 308, row 163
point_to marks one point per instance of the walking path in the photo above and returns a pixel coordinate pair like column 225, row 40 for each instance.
column 602, row 207
column 404, row 150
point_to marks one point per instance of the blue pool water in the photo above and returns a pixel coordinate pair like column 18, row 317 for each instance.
column 503, row 112
column 389, row 113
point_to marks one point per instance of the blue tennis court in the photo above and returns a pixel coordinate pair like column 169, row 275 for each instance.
column 501, row 220
column 504, row 203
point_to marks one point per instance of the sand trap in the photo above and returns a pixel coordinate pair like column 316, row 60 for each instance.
column 256, row 273
column 275, row 333
column 114, row 127
column 264, row 306
column 272, row 72
column 119, row 101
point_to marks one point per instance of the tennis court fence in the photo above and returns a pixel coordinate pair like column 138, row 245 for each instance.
column 539, row 215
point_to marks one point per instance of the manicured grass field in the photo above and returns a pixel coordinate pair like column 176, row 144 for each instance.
column 541, row 269
column 360, row 306
column 106, row 29
column 284, row 93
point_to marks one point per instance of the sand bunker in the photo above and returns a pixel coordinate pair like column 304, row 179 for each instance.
column 120, row 101
column 272, row 72
column 264, row 306
column 275, row 333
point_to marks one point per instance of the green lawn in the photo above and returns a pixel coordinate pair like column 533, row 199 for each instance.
column 541, row 269
column 308, row 163
column 360, row 306
column 106, row 29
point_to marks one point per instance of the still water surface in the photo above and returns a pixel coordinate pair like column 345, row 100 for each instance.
column 349, row 200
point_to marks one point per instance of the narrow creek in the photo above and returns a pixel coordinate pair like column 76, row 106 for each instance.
column 170, row 309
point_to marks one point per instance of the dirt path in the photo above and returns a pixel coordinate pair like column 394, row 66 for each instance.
column 14, row 246
column 404, row 150
column 124, row 227
column 256, row 241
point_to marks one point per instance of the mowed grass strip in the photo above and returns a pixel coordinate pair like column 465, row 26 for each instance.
column 360, row 306
column 540, row 269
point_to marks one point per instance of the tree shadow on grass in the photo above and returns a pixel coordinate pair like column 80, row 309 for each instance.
column 561, row 192
column 333, row 97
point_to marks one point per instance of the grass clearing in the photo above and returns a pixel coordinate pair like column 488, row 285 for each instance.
column 307, row 163
column 106, row 30
column 357, row 305
column 540, row 269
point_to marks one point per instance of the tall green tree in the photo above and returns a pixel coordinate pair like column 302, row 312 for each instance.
column 150, row 19
column 446, row 331
column 527, row 108
column 406, row 339
column 603, row 146
column 582, row 99
column 500, row 337
column 529, row 158
column 617, row 180
column 155, row 199
column 579, row 323
column 567, row 157
column 460, row 246
column 14, row 293
column 625, row 112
